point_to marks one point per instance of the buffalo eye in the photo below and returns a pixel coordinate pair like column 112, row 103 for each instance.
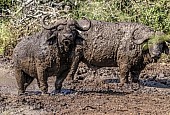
column 60, row 28
column 72, row 27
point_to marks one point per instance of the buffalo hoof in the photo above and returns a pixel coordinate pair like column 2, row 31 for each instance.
column 123, row 86
column 136, row 86
column 45, row 94
column 55, row 92
column 135, row 80
column 21, row 92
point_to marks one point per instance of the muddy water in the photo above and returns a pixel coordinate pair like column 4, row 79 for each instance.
column 8, row 84
column 93, row 94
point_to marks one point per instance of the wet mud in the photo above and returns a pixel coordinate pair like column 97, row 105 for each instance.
column 93, row 92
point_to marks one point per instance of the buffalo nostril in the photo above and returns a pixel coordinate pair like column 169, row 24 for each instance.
column 70, row 36
column 66, row 42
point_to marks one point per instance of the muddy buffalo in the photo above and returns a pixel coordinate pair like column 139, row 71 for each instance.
column 129, row 46
column 46, row 53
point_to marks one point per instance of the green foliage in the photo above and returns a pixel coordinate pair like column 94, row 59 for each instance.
column 8, row 37
column 156, row 39
column 154, row 13
column 5, row 36
column 4, row 4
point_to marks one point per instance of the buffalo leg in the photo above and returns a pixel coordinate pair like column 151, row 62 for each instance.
column 135, row 72
column 75, row 62
column 59, row 80
column 42, row 78
column 21, row 80
column 28, row 80
column 74, row 67
column 135, row 76
column 135, row 83
column 124, row 74
column 38, row 83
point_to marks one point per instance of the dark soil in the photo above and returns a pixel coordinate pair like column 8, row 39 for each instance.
column 92, row 93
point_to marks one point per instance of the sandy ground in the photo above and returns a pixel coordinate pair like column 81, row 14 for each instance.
column 95, row 93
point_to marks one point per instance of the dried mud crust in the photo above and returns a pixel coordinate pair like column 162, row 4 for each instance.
column 95, row 93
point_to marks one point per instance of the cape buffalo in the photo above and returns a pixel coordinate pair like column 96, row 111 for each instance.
column 45, row 54
column 129, row 46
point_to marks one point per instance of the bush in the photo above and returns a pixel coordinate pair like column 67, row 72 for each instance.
column 6, row 37
column 154, row 13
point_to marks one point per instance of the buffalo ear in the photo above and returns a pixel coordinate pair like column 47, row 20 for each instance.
column 52, row 39
column 165, row 48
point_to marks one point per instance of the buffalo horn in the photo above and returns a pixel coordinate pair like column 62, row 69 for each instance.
column 83, row 28
column 140, row 41
column 49, row 27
